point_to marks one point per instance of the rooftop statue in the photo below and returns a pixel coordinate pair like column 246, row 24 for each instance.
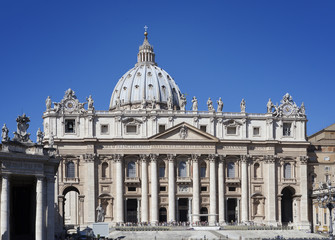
column 90, row 103
column 4, row 134
column 48, row 103
column 210, row 104
column 269, row 106
column 220, row 105
column 194, row 104
column 143, row 103
column 169, row 103
column 40, row 136
column 242, row 105
column 182, row 102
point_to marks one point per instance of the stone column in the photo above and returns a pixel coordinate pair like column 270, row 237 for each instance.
column 304, row 192
column 119, row 218
column 90, row 191
column 5, row 210
column 39, row 229
column 271, row 198
column 61, row 213
column 196, row 188
column 244, row 189
column 172, row 182
column 81, row 209
column 154, row 190
column 212, row 189
column 221, row 186
column 51, row 209
column 144, row 189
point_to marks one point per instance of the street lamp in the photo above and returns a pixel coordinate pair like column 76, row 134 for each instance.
column 326, row 200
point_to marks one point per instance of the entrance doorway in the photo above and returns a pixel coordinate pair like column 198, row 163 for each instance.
column 231, row 210
column 162, row 215
column 132, row 210
column 22, row 208
column 287, row 205
column 203, row 210
column 183, row 209
column 71, row 207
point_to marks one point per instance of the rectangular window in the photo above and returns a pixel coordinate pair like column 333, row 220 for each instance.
column 231, row 130
column 131, row 189
column 203, row 128
column 327, row 178
column 69, row 126
column 104, row 129
column 203, row 189
column 232, row 189
column 132, row 129
column 256, row 131
column 287, row 129
column 162, row 189
column 162, row 172
column 161, row 128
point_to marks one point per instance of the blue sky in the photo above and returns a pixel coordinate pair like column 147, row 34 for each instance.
column 254, row 50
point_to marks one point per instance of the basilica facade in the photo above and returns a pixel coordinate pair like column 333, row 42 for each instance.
column 147, row 159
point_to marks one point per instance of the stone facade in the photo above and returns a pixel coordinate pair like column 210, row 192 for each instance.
column 147, row 159
column 321, row 170
column 27, row 185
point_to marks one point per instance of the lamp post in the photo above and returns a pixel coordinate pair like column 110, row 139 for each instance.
column 326, row 200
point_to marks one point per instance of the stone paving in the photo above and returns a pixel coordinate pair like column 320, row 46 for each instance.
column 211, row 234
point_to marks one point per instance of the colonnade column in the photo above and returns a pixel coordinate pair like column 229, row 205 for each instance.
column 51, row 210
column 271, row 205
column 244, row 188
column 144, row 189
column 221, row 191
column 172, row 182
column 196, row 188
column 5, row 207
column 212, row 189
column 304, row 192
column 39, row 209
column 81, row 209
column 90, row 189
column 119, row 188
column 154, row 190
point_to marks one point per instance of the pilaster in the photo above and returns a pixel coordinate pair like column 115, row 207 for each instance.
column 172, row 187
column 212, row 189
column 154, row 190
column 244, row 189
column 221, row 185
column 196, row 188
column 144, row 189
column 5, row 211
column 117, row 158
column 90, row 188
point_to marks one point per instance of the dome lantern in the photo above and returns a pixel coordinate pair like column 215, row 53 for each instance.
column 146, row 53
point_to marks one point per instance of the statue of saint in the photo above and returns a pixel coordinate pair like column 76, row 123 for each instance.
column 220, row 105
column 100, row 214
column 40, row 136
column 4, row 135
column 90, row 103
column 169, row 103
column 302, row 110
column 210, row 104
column 143, row 103
column 118, row 102
column 194, row 104
column 182, row 102
column 48, row 103
column 153, row 103
column 269, row 106
column 242, row 105
column 183, row 132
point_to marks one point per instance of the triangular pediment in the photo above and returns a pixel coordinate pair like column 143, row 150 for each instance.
column 184, row 132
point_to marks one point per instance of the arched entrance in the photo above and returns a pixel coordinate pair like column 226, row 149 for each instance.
column 203, row 210
column 71, row 206
column 162, row 214
column 287, row 205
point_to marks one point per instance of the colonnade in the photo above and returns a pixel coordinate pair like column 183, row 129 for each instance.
column 45, row 215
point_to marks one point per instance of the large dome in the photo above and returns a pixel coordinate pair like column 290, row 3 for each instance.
column 146, row 85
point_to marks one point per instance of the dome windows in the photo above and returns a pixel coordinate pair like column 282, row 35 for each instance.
column 137, row 86
column 125, row 88
column 149, row 74
column 160, row 75
column 150, row 86
column 129, row 75
column 139, row 74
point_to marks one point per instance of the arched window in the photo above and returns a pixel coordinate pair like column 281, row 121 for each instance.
column 231, row 170
column 104, row 168
column 203, row 170
column 287, row 170
column 257, row 170
column 182, row 169
column 70, row 170
column 131, row 170
column 162, row 170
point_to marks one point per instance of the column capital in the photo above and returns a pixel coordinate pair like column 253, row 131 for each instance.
column 81, row 198
column 117, row 157
column 144, row 157
column 245, row 158
column 153, row 157
column 222, row 158
column 195, row 157
column 89, row 157
column 269, row 158
column 40, row 178
column 212, row 157
column 171, row 157
column 303, row 159
column 5, row 175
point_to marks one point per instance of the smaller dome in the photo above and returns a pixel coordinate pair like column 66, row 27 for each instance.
column 146, row 85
